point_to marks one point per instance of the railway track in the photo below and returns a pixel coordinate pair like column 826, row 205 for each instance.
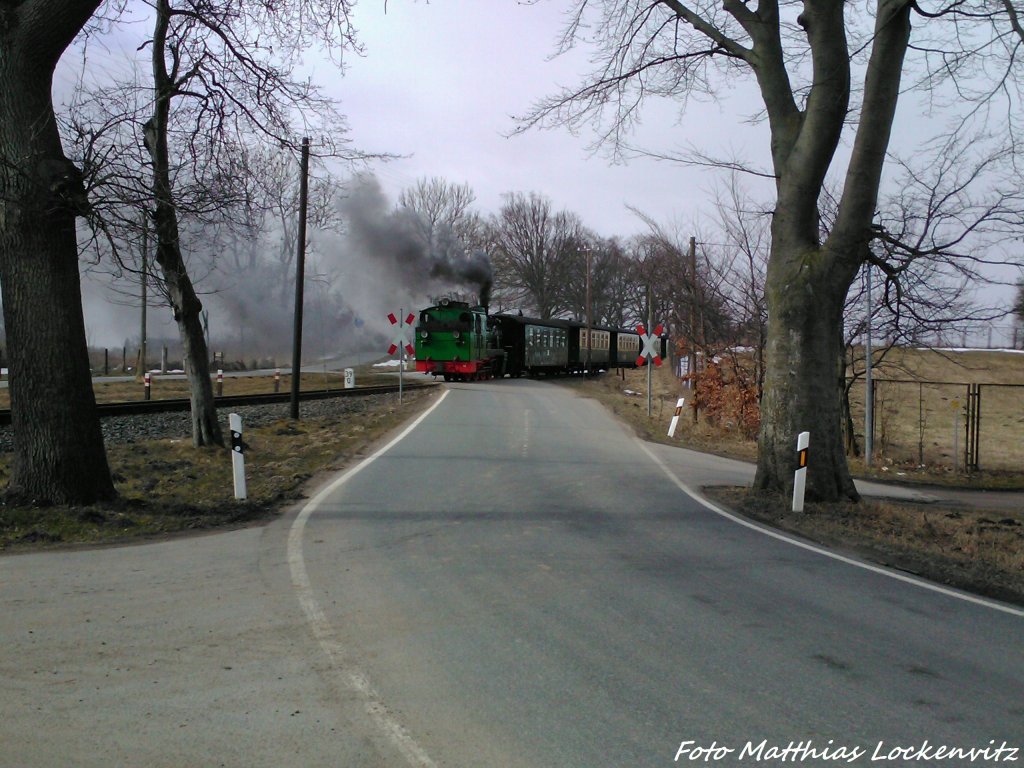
column 142, row 407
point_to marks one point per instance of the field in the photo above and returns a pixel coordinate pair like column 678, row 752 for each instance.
column 920, row 410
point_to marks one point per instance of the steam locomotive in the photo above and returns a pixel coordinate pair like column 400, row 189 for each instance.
column 464, row 343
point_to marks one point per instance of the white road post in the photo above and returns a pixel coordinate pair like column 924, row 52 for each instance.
column 800, row 478
column 675, row 419
column 237, row 455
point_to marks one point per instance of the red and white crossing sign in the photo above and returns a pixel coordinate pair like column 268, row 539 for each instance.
column 400, row 339
column 649, row 341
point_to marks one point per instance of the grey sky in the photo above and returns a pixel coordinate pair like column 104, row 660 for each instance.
column 441, row 81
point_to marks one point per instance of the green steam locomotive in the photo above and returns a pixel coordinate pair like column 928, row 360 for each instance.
column 464, row 343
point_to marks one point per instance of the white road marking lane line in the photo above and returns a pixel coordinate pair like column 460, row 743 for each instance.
column 524, row 449
column 349, row 675
column 822, row 551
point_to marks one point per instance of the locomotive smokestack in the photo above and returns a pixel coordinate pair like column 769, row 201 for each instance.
column 485, row 294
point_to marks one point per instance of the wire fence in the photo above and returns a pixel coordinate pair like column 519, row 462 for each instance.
column 965, row 427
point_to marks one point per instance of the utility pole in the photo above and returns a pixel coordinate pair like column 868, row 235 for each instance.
column 590, row 332
column 300, row 276
column 869, row 389
column 145, row 281
column 693, row 325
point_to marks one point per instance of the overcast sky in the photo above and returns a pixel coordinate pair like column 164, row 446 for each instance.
column 440, row 83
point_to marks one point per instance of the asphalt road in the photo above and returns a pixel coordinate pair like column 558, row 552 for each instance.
column 514, row 582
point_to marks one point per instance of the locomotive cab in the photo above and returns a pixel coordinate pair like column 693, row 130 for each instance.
column 458, row 342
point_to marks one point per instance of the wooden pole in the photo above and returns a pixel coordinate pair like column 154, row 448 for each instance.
column 300, row 276
column 693, row 325
column 145, row 283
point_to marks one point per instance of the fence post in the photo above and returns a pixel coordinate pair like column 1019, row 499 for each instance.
column 800, row 478
column 920, row 424
column 956, row 435
column 973, row 427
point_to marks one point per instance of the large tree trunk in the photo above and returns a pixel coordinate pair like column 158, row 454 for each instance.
column 58, row 448
column 185, row 303
column 807, row 280
column 803, row 377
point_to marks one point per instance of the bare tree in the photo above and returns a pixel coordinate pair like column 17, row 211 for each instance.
column 957, row 206
column 58, row 448
column 221, row 81
column 533, row 250
column 253, row 249
column 804, row 66
column 267, row 211
column 688, row 287
column 442, row 209
column 206, row 55
column 740, row 265
column 612, row 282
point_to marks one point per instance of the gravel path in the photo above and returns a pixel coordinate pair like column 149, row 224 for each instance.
column 156, row 426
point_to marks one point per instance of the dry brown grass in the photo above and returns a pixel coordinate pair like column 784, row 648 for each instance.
column 624, row 393
column 972, row 366
column 911, row 420
column 168, row 486
column 972, row 549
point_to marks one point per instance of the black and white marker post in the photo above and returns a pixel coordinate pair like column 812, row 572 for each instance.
column 800, row 478
column 237, row 455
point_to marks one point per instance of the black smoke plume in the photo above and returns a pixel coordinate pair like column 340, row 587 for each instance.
column 399, row 241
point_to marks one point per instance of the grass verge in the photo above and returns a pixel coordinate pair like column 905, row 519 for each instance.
column 168, row 487
column 971, row 549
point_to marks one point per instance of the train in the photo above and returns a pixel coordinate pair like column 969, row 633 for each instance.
column 466, row 343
